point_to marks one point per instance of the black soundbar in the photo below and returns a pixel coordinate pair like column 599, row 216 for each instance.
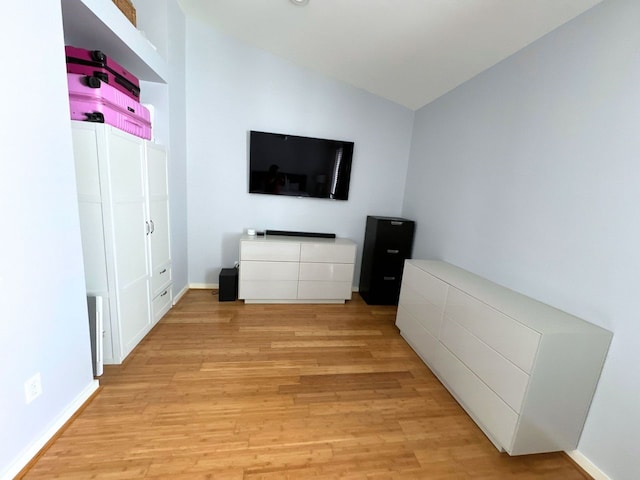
column 287, row 233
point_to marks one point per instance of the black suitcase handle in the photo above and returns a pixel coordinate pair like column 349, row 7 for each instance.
column 95, row 117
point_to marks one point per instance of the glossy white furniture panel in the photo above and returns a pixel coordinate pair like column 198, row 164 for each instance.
column 524, row 371
column 315, row 290
column 260, row 291
column 327, row 272
column 270, row 271
column 425, row 344
column 123, row 204
column 279, row 269
column 324, row 252
column 511, row 339
column 270, row 251
column 423, row 298
column 502, row 376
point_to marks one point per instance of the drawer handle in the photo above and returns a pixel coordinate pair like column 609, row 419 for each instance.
column 389, row 250
column 164, row 293
column 396, row 223
column 163, row 271
column 389, row 278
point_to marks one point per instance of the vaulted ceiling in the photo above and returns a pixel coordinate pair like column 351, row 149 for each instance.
column 408, row 51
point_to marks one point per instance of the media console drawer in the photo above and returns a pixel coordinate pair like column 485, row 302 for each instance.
column 524, row 371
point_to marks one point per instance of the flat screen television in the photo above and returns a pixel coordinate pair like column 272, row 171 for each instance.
column 281, row 164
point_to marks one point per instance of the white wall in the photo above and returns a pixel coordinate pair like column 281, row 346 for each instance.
column 529, row 175
column 233, row 88
column 164, row 24
column 43, row 310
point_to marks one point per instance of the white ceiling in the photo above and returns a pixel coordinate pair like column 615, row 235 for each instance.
column 408, row 51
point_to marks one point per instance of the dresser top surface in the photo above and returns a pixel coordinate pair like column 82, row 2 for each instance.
column 292, row 239
column 533, row 313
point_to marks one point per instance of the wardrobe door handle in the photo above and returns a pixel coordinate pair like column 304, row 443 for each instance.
column 148, row 228
column 153, row 226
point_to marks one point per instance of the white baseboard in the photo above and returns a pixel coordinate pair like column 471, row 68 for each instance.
column 203, row 286
column 180, row 294
column 32, row 450
column 587, row 465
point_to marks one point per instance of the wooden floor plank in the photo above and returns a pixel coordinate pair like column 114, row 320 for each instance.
column 224, row 390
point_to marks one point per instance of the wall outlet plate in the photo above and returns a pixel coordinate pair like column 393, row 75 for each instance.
column 32, row 388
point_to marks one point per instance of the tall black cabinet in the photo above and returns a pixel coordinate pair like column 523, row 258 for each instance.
column 387, row 243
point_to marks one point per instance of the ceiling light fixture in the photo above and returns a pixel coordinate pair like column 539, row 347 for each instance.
column 300, row 3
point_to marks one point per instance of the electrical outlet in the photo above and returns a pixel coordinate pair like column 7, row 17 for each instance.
column 32, row 388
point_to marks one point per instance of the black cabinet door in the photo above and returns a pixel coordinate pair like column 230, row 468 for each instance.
column 388, row 242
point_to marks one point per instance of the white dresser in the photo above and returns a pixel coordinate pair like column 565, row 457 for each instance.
column 280, row 269
column 524, row 371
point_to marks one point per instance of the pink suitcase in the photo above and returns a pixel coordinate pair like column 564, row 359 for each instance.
column 94, row 101
column 94, row 63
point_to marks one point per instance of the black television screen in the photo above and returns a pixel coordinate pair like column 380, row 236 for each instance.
column 282, row 164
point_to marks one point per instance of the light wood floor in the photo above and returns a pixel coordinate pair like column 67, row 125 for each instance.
column 223, row 390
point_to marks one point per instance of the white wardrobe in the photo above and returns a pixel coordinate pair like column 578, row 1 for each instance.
column 123, row 201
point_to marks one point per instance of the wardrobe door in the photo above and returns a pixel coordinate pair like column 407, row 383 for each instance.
column 130, row 232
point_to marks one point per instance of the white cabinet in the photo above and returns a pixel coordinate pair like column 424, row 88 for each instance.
column 159, row 245
column 524, row 371
column 296, row 269
column 123, row 203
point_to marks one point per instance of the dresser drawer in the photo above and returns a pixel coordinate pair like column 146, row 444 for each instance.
column 423, row 296
column 328, row 272
column 502, row 376
column 316, row 290
column 510, row 338
column 492, row 414
column 420, row 339
column 272, row 290
column 327, row 252
column 270, row 271
column 273, row 251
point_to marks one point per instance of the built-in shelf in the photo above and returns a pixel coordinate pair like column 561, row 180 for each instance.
column 99, row 25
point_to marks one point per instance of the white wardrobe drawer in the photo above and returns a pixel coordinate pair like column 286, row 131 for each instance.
column 427, row 310
column 328, row 272
column 160, row 278
column 327, row 252
column 502, row 376
column 268, row 271
column 162, row 303
column 494, row 415
column 510, row 338
column 273, row 251
column 308, row 290
column 274, row 290
column 418, row 338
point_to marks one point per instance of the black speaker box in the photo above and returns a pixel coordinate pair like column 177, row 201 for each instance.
column 228, row 282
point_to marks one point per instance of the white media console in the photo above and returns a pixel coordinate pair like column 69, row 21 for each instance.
column 291, row 269
column 524, row 371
